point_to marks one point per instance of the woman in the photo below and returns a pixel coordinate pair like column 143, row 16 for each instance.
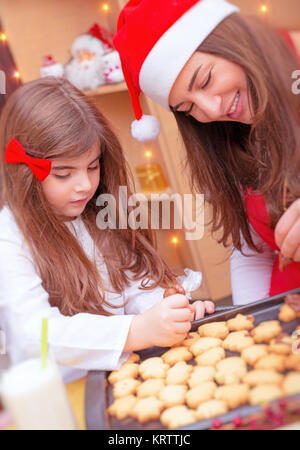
column 228, row 81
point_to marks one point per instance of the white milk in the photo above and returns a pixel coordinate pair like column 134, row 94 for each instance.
column 36, row 398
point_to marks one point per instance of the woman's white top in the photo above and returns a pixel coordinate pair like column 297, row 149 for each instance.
column 78, row 343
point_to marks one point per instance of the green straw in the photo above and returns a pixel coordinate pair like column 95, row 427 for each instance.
column 44, row 345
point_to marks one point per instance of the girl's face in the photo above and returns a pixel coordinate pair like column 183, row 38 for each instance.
column 72, row 182
column 210, row 88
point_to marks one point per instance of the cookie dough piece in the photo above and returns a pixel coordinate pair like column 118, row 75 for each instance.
column 122, row 407
column 266, row 331
column 153, row 368
column 237, row 341
column 203, row 344
column 125, row 387
column 177, row 416
column 176, row 354
column 265, row 393
column 127, row 370
column 201, row 393
column 234, row 394
column 286, row 313
column 211, row 357
column 292, row 362
column 291, row 383
column 191, row 338
column 133, row 358
column 179, row 373
column 253, row 353
column 257, row 377
column 282, row 346
column 240, row 322
column 150, row 387
column 173, row 395
column 214, row 329
column 201, row 374
column 145, row 409
column 230, row 370
column 210, row 409
column 272, row 362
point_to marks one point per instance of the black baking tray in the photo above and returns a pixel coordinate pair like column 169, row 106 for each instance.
column 98, row 393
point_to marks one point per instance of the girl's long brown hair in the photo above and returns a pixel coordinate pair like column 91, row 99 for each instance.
column 52, row 119
column 226, row 157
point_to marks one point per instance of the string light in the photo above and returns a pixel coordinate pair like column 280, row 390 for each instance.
column 16, row 75
column 105, row 7
column 148, row 154
column 174, row 240
column 264, row 8
column 3, row 37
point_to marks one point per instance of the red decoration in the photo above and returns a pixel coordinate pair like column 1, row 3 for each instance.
column 217, row 423
column 238, row 421
column 15, row 154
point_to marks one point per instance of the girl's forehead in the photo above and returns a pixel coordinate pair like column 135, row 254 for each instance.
column 94, row 151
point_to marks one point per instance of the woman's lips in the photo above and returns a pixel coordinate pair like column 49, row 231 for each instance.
column 238, row 109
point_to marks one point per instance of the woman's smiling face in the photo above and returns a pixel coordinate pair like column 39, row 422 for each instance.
column 210, row 88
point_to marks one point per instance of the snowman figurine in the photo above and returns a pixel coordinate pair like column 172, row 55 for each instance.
column 112, row 68
column 85, row 69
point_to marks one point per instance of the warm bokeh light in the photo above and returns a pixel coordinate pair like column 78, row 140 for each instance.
column 105, row 7
column 264, row 9
column 148, row 154
column 16, row 74
column 174, row 240
column 3, row 37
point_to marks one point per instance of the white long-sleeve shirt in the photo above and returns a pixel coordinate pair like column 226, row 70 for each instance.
column 78, row 343
column 251, row 274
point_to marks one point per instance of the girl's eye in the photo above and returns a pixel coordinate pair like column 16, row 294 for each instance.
column 61, row 176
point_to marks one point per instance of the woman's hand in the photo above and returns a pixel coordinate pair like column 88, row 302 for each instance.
column 199, row 309
column 287, row 232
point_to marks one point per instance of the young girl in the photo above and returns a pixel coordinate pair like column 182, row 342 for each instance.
column 228, row 79
column 101, row 290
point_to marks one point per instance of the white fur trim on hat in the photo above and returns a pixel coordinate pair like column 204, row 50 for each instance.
column 87, row 42
column 171, row 52
column 146, row 129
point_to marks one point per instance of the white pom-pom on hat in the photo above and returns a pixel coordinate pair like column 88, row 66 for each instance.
column 146, row 129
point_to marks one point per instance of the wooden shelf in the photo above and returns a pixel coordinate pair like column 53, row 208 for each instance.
column 107, row 89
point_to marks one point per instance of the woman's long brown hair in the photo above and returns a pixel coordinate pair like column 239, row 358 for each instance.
column 52, row 119
column 227, row 157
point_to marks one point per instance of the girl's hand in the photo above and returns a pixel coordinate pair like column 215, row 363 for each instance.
column 199, row 309
column 287, row 232
column 167, row 322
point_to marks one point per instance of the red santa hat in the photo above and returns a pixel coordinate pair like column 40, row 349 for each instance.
column 155, row 39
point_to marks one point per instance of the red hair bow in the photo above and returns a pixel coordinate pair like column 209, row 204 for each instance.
column 15, row 154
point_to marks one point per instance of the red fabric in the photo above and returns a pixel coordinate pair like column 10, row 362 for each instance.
column 15, row 154
column 259, row 219
column 286, row 35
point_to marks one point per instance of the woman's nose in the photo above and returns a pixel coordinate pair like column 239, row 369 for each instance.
column 211, row 106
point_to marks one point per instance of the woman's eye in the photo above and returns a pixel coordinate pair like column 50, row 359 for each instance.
column 207, row 81
column 94, row 168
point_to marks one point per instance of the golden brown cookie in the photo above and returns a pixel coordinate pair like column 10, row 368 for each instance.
column 150, row 387
column 201, row 393
column 176, row 354
column 252, row 354
column 233, row 394
column 266, row 331
column 230, row 370
column 240, row 322
column 214, row 329
column 191, row 338
column 201, row 374
column 153, row 368
column 264, row 394
column 286, row 313
column 237, row 341
column 145, row 409
column 177, row 416
column 292, row 362
column 125, row 387
column 211, row 357
column 127, row 370
column 203, row 344
column 133, row 358
column 122, row 407
column 179, row 373
column 211, row 408
column 272, row 361
column 173, row 395
column 282, row 346
column 257, row 377
column 291, row 383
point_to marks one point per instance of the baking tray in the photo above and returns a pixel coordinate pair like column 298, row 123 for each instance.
column 98, row 393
